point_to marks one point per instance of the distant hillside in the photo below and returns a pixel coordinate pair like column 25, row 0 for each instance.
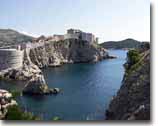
column 127, row 43
column 12, row 37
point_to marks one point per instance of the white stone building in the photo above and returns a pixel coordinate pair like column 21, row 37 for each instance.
column 78, row 34
column 58, row 37
column 71, row 34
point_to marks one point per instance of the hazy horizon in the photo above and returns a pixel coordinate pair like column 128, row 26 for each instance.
column 108, row 19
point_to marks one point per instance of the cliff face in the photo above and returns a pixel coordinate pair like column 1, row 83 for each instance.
column 51, row 54
column 67, row 51
column 29, row 74
column 132, row 101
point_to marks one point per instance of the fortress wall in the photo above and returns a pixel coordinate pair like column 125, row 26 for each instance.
column 71, row 36
column 11, row 58
column 31, row 45
column 88, row 37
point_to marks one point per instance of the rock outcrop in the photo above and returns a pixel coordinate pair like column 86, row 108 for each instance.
column 56, row 54
column 30, row 73
column 51, row 53
column 132, row 101
column 36, row 85
column 6, row 100
column 67, row 51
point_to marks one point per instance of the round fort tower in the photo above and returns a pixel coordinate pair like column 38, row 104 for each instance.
column 11, row 58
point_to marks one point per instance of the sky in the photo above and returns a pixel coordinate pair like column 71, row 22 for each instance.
column 107, row 19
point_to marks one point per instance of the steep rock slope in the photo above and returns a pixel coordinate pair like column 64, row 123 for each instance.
column 132, row 101
column 51, row 54
column 67, row 51
column 29, row 74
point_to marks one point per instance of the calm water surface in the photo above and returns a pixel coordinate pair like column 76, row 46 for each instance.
column 86, row 90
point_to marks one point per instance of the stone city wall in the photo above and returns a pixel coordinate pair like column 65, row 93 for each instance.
column 10, row 58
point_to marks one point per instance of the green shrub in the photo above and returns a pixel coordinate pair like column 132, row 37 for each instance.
column 56, row 118
column 134, row 61
column 15, row 113
column 15, row 93
column 133, row 57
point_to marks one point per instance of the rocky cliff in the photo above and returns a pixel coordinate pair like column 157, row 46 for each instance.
column 51, row 54
column 132, row 101
column 29, row 74
column 67, row 51
column 58, row 53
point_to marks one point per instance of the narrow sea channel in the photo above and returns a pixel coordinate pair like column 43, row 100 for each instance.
column 86, row 90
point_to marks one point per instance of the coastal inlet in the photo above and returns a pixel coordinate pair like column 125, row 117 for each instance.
column 86, row 89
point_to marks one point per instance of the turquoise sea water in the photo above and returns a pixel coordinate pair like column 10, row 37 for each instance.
column 86, row 90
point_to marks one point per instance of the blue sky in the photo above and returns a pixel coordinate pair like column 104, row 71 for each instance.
column 107, row 19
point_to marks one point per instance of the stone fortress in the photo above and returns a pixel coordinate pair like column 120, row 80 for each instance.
column 11, row 57
column 76, row 34
column 22, row 62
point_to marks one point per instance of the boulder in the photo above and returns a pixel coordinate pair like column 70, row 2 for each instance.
column 112, row 57
column 53, row 91
column 36, row 85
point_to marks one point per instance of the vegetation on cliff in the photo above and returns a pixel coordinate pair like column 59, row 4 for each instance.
column 15, row 113
column 133, row 57
column 132, row 101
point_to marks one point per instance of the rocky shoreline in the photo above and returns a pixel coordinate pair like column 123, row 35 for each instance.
column 132, row 101
column 52, row 54
column 6, row 101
